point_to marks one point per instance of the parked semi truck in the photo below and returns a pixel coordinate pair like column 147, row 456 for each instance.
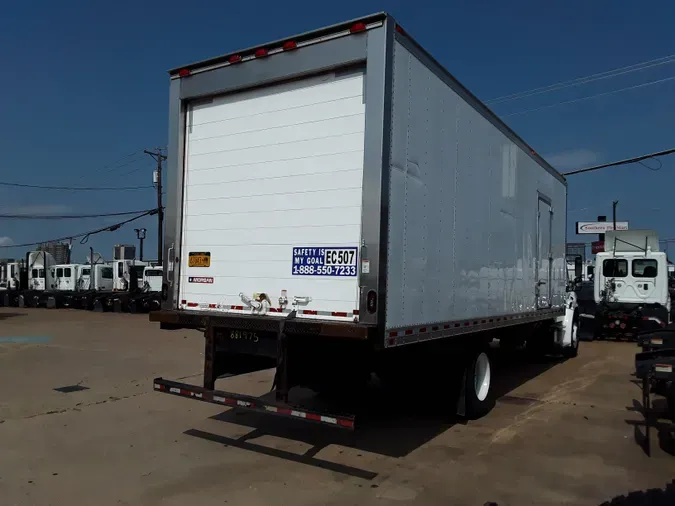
column 340, row 205
column 631, row 285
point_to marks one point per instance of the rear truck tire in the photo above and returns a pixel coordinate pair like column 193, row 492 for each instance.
column 573, row 350
column 477, row 385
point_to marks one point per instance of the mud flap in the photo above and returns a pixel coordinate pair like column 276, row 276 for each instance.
column 281, row 374
column 461, row 399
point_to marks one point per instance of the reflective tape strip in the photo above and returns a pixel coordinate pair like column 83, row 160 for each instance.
column 276, row 310
column 663, row 368
column 401, row 336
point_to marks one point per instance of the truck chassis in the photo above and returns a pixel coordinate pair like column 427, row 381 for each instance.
column 314, row 353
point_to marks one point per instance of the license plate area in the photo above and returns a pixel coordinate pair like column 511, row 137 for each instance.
column 199, row 259
column 247, row 342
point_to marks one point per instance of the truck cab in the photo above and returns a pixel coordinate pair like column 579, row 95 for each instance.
column 123, row 270
column 39, row 270
column 13, row 275
column 631, row 283
column 65, row 276
column 103, row 277
column 152, row 278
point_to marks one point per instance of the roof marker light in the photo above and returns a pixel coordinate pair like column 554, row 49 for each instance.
column 260, row 53
column 184, row 72
column 235, row 58
column 289, row 45
column 358, row 27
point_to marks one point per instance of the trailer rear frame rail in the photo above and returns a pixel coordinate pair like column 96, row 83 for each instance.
column 255, row 404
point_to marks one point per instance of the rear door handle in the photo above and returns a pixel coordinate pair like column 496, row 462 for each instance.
column 169, row 264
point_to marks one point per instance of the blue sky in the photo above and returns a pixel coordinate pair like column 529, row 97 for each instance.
column 85, row 86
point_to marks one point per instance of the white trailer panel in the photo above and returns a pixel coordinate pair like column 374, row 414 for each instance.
column 475, row 223
column 270, row 172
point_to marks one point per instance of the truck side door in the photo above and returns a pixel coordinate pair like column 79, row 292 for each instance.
column 544, row 258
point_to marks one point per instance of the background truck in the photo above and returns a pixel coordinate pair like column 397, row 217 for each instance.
column 339, row 205
column 631, row 285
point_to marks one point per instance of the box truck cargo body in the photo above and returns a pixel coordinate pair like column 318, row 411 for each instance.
column 342, row 182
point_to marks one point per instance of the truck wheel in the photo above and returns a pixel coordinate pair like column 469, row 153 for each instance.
column 573, row 350
column 478, row 396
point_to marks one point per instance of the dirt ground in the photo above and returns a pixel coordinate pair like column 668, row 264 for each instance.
column 562, row 433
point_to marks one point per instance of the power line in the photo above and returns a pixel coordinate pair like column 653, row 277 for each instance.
column 121, row 162
column 637, row 67
column 68, row 216
column 650, row 83
column 77, row 188
column 636, row 159
column 85, row 235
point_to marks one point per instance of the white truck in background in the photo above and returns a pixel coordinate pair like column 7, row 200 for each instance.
column 39, row 264
column 152, row 278
column 631, row 285
column 123, row 270
column 10, row 274
column 339, row 198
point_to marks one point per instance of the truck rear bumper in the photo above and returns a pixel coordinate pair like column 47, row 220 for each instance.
column 251, row 403
column 205, row 319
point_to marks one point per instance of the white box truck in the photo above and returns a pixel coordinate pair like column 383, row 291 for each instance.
column 340, row 205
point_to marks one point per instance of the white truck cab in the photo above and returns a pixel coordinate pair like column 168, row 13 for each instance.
column 152, row 278
column 631, row 282
column 122, row 270
column 39, row 270
column 65, row 276
column 103, row 277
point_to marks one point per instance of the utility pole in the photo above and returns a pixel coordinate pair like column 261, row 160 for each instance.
column 614, row 204
column 157, row 180
column 92, row 284
column 140, row 235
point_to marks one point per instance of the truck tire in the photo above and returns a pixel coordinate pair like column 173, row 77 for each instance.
column 573, row 351
column 478, row 392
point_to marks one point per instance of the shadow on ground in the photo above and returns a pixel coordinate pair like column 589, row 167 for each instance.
column 651, row 497
column 388, row 423
column 659, row 420
column 5, row 316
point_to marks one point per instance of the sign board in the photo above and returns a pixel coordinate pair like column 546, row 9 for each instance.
column 599, row 227
column 576, row 249
column 597, row 247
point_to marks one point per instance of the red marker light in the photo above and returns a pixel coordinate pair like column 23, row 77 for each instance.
column 289, row 45
column 357, row 28
column 260, row 53
column 184, row 72
column 235, row 58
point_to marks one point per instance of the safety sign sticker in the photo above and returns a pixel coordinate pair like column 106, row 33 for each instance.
column 322, row 261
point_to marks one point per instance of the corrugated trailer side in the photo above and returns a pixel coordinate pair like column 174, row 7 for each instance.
column 476, row 220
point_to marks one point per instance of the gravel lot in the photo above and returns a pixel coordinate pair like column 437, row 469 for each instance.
column 563, row 432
